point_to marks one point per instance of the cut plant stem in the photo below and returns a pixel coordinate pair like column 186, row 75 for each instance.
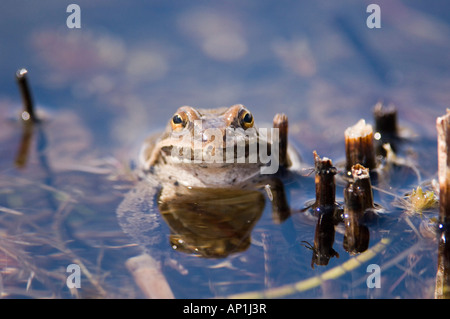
column 358, row 198
column 443, row 272
column 28, row 117
column 443, row 134
column 442, row 289
column 359, row 147
column 280, row 121
column 28, row 113
column 325, row 184
column 385, row 119
column 325, row 206
column 386, row 130
column 361, row 180
column 149, row 277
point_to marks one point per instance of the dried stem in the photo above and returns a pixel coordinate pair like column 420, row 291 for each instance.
column 325, row 184
column 385, row 119
column 149, row 277
column 443, row 273
column 442, row 289
column 361, row 180
column 359, row 147
column 22, row 80
column 443, row 132
column 280, row 121
column 358, row 197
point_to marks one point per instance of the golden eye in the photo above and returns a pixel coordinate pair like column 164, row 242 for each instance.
column 179, row 121
column 246, row 120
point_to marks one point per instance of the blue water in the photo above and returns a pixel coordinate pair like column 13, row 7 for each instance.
column 105, row 86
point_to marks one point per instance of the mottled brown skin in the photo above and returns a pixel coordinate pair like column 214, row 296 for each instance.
column 170, row 186
column 156, row 158
column 163, row 179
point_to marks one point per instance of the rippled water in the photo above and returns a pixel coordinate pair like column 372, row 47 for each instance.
column 104, row 87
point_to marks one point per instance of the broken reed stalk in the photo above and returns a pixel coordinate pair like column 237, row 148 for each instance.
column 149, row 277
column 325, row 205
column 359, row 147
column 358, row 197
column 386, row 130
column 361, row 180
column 385, row 119
column 280, row 121
column 443, row 133
column 443, row 273
column 22, row 80
column 325, row 184
column 442, row 288
column 28, row 117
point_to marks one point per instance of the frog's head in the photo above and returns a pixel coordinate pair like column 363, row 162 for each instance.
column 210, row 136
column 217, row 146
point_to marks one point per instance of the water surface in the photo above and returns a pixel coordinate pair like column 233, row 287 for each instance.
column 105, row 86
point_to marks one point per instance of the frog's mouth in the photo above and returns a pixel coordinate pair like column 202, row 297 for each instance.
column 216, row 148
column 210, row 154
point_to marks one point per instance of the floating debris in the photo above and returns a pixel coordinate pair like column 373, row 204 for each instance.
column 422, row 200
column 10, row 211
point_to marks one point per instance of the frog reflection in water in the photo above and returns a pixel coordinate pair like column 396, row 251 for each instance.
column 204, row 176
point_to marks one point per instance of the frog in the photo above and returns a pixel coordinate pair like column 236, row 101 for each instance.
column 198, row 132
column 218, row 157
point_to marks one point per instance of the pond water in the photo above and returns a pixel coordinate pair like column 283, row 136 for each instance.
column 102, row 88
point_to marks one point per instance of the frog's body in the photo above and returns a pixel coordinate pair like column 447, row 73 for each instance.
column 197, row 158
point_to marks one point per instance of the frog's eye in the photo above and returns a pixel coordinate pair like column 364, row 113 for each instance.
column 179, row 121
column 246, row 119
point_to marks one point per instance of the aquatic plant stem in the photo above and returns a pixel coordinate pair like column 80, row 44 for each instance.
column 442, row 289
column 361, row 181
column 385, row 119
column 28, row 118
column 359, row 148
column 325, row 184
column 280, row 121
column 358, row 198
column 22, row 80
column 443, row 133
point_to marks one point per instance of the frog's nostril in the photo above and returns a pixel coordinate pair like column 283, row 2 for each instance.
column 211, row 151
column 208, row 137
